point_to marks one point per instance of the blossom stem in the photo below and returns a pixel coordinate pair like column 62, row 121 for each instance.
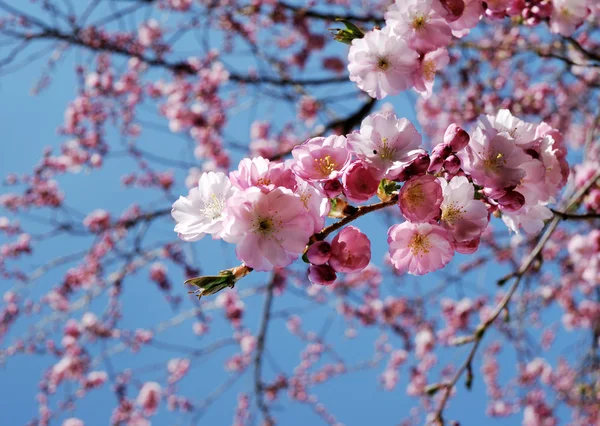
column 360, row 211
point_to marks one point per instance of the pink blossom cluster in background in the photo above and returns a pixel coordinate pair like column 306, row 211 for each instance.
column 412, row 46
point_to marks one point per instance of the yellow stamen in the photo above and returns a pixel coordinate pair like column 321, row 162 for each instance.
column 383, row 64
column 493, row 162
column 325, row 165
column 452, row 213
column 386, row 152
column 429, row 70
column 419, row 22
column 419, row 245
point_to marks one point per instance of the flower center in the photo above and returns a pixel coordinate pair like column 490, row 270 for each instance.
column 419, row 22
column 264, row 225
column 263, row 181
column 213, row 206
column 419, row 245
column 415, row 196
column 325, row 165
column 383, row 64
column 386, row 152
column 494, row 161
column 304, row 197
column 452, row 213
column 429, row 70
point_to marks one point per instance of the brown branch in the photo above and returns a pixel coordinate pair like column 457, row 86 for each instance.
column 332, row 17
column 181, row 67
column 260, row 347
column 572, row 216
column 360, row 211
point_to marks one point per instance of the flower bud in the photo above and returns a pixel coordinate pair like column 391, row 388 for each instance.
column 456, row 137
column 359, row 182
column 321, row 274
column 438, row 156
column 467, row 247
column 420, row 199
column 319, row 253
column 512, row 201
column 452, row 164
column 332, row 188
column 350, row 250
column 417, row 167
column 455, row 9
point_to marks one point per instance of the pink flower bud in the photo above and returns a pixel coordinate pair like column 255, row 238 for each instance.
column 452, row 164
column 456, row 137
column 319, row 253
column 350, row 250
column 359, row 182
column 467, row 247
column 417, row 167
column 332, row 188
column 438, row 155
column 420, row 199
column 321, row 274
column 512, row 201
column 455, row 9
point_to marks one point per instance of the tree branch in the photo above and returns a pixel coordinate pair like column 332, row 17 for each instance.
column 260, row 347
column 477, row 337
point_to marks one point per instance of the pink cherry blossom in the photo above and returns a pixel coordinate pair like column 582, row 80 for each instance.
column 359, row 182
column 270, row 229
column 469, row 19
column 420, row 199
column 419, row 248
column 493, row 160
column 149, row 33
column 321, row 159
column 350, row 250
column 315, row 202
column 262, row 173
column 430, row 64
column 417, row 22
column 522, row 132
column 387, row 143
column 381, row 63
column 203, row 210
column 321, row 274
column 319, row 253
column 463, row 216
column 450, row 10
column 568, row 15
column 72, row 421
column 530, row 218
column 149, row 397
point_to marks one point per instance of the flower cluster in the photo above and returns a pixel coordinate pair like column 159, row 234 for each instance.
column 412, row 46
column 276, row 211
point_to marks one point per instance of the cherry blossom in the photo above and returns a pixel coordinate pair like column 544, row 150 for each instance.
column 381, row 63
column 463, row 216
column 419, row 248
column 387, row 143
column 270, row 229
column 321, row 159
column 417, row 22
column 350, row 250
column 203, row 210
